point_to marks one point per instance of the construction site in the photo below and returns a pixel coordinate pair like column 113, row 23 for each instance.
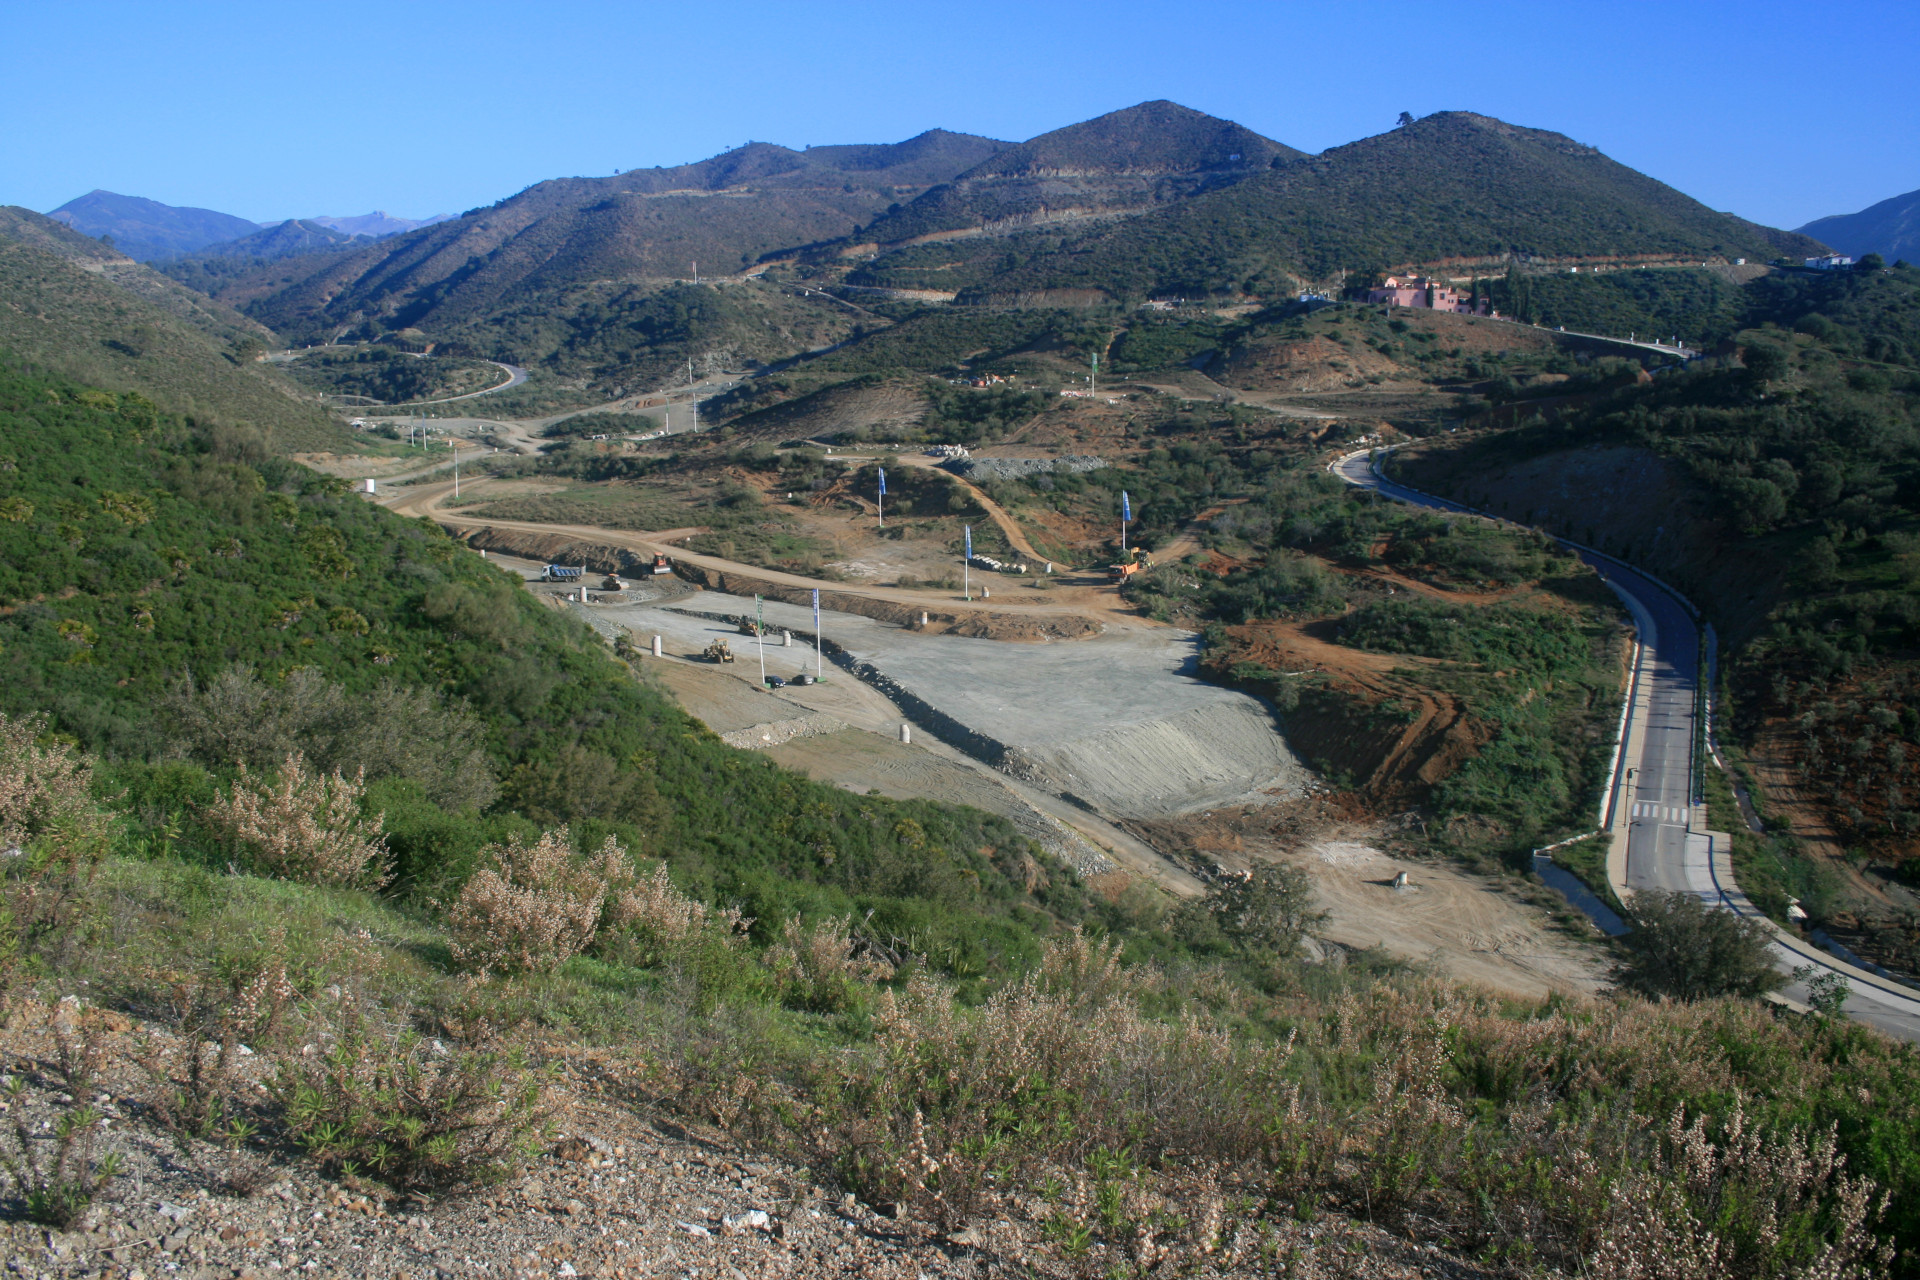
column 989, row 633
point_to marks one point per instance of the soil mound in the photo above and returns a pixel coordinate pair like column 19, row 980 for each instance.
column 1310, row 364
column 882, row 409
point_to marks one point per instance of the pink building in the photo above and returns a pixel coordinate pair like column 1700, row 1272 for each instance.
column 1418, row 291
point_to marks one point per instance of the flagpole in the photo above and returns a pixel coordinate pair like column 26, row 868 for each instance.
column 880, row 502
column 760, row 626
column 819, row 663
column 966, row 567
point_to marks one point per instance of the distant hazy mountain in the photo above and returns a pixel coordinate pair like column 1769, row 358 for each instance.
column 377, row 224
column 280, row 240
column 1890, row 229
column 146, row 229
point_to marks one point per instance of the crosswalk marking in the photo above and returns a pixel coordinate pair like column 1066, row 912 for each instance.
column 1663, row 812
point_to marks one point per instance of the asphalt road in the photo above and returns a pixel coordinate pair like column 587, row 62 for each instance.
column 1666, row 845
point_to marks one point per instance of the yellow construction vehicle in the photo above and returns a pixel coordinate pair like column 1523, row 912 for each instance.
column 1118, row 574
column 718, row 652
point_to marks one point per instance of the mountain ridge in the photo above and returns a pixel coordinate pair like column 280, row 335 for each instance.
column 146, row 229
column 1890, row 228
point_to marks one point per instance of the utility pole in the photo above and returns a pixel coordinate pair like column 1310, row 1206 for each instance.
column 760, row 628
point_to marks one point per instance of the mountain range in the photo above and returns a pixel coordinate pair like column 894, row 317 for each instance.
column 146, row 230
column 1890, row 229
column 1153, row 198
column 574, row 274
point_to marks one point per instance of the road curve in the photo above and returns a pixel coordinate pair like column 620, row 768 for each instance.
column 1650, row 801
column 515, row 376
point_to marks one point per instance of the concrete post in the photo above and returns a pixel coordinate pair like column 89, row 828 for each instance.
column 923, row 617
column 986, row 593
column 656, row 646
column 786, row 639
column 906, row 732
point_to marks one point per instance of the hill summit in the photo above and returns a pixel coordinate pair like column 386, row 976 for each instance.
column 145, row 229
column 1158, row 137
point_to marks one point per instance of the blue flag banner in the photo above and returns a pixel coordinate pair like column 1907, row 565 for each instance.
column 969, row 542
column 1126, row 507
column 883, row 482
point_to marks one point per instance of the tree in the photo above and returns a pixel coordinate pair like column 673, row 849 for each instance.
column 1683, row 949
column 1765, row 361
column 1870, row 262
column 1406, row 118
column 1265, row 912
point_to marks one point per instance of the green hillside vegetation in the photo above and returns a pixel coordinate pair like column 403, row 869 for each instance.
column 391, row 377
column 1542, row 681
column 197, row 601
column 1803, row 444
column 845, row 1026
column 1699, row 305
column 216, row 320
column 65, row 319
column 583, row 279
column 1452, row 185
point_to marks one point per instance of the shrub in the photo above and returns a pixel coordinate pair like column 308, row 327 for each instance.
column 535, row 905
column 307, row 827
column 821, row 969
column 1265, row 912
column 44, row 787
column 655, row 921
column 57, row 1190
column 410, row 1112
column 52, row 836
column 1683, row 949
column 193, row 1075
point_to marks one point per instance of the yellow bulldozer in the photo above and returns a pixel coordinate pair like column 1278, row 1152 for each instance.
column 718, row 652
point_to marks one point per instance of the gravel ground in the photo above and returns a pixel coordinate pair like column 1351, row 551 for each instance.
column 1118, row 720
column 619, row 1192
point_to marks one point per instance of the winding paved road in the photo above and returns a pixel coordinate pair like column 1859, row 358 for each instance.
column 1650, row 800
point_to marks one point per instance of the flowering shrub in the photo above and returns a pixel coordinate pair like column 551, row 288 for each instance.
column 304, row 826
column 533, row 906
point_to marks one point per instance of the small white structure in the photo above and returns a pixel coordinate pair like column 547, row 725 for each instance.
column 366, row 486
column 656, row 646
column 906, row 732
column 1832, row 262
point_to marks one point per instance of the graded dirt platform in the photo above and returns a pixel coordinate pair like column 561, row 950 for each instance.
column 1117, row 721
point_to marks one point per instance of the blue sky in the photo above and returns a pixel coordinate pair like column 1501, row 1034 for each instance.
column 1779, row 112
